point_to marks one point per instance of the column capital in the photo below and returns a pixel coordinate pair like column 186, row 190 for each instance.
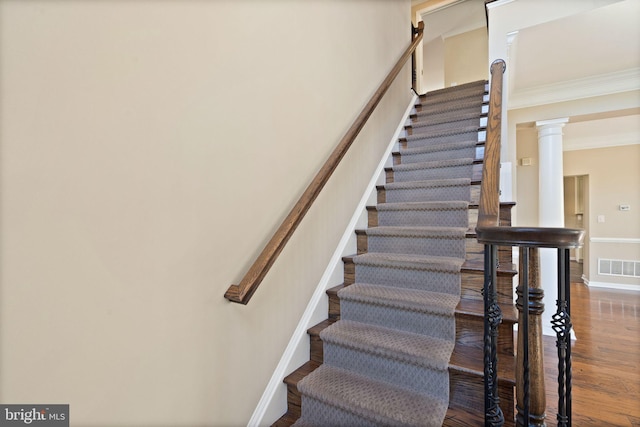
column 550, row 128
column 552, row 123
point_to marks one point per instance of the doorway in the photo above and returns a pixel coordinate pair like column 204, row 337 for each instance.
column 576, row 215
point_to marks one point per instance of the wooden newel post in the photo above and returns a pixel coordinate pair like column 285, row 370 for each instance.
column 530, row 391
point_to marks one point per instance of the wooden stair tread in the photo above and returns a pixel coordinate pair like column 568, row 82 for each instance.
column 462, row 417
column 294, row 377
column 470, row 307
column 316, row 329
column 286, row 420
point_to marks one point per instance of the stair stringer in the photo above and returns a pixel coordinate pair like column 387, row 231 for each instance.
column 273, row 402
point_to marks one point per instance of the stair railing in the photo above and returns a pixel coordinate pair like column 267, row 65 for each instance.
column 530, row 392
column 243, row 292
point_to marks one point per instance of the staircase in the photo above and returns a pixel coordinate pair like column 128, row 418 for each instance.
column 403, row 341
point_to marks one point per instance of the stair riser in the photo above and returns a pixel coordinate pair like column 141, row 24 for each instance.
column 434, row 281
column 447, row 117
column 476, row 153
column 317, row 355
column 412, row 245
column 436, row 115
column 467, row 391
column 375, row 220
column 462, row 97
column 428, row 194
column 470, row 332
column 418, row 218
column 294, row 400
column 436, row 173
column 453, row 89
column 437, row 326
column 391, row 176
column 331, row 415
column 392, row 371
column 417, row 127
column 446, row 107
column 424, row 140
column 472, row 284
column 475, row 252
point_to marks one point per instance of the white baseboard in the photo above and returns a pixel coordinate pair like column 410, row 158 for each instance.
column 607, row 285
column 269, row 406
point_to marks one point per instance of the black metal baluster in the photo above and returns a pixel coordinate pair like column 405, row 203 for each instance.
column 561, row 322
column 567, row 295
column 493, row 416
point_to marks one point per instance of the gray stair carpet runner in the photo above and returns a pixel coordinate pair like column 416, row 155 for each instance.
column 386, row 359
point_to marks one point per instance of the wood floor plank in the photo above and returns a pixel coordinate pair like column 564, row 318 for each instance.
column 605, row 359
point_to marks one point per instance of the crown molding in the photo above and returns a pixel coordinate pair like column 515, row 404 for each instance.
column 603, row 84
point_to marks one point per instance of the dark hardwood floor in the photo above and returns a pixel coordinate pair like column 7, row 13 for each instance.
column 606, row 359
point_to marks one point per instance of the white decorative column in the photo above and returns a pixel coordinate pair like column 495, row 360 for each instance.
column 550, row 208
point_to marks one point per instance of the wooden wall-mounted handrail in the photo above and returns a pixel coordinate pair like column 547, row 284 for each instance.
column 242, row 292
column 489, row 206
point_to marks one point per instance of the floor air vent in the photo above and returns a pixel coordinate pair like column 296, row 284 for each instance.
column 618, row 267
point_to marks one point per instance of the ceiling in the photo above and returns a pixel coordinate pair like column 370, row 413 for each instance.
column 446, row 18
column 598, row 49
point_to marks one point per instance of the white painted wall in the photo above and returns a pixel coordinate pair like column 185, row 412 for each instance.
column 148, row 151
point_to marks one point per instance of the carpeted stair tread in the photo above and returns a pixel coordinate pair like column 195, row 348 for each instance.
column 377, row 403
column 410, row 262
column 432, row 183
column 459, row 95
column 450, row 104
column 409, row 299
column 424, row 206
column 447, row 107
column 443, row 132
column 407, row 347
column 457, row 88
column 433, row 165
column 426, row 190
column 424, row 119
column 435, row 232
column 417, row 153
column 478, row 86
column 445, row 146
column 461, row 123
column 423, row 214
